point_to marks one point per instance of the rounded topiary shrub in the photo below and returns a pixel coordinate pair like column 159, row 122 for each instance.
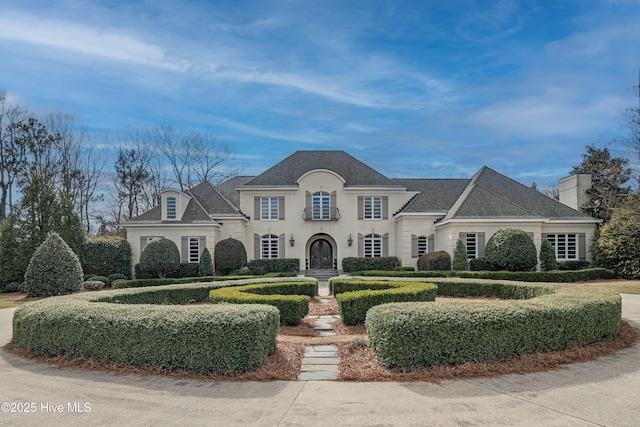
column 93, row 285
column 229, row 255
column 53, row 270
column 548, row 260
column 160, row 257
column 439, row 260
column 206, row 264
column 512, row 250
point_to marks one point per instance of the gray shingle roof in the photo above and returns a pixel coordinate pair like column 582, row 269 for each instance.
column 228, row 188
column 206, row 204
column 212, row 202
column 491, row 195
column 436, row 195
column 353, row 171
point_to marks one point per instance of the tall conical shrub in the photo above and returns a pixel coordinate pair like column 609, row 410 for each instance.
column 206, row 264
column 53, row 270
column 460, row 261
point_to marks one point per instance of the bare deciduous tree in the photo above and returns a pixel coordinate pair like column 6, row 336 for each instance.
column 10, row 152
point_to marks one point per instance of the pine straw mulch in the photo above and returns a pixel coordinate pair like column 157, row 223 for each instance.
column 359, row 363
column 283, row 365
column 357, row 360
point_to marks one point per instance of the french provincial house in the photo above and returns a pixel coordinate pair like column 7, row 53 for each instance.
column 323, row 206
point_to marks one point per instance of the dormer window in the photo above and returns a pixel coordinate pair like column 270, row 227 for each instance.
column 171, row 208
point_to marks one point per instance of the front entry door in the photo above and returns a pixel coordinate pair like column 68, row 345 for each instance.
column 321, row 255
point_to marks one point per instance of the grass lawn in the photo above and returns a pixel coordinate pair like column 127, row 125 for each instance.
column 6, row 300
column 620, row 286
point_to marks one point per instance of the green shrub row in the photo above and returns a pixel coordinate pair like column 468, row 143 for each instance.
column 259, row 267
column 350, row 264
column 406, row 336
column 290, row 298
column 140, row 283
column 102, row 256
column 113, row 328
column 185, row 269
column 355, row 297
column 557, row 276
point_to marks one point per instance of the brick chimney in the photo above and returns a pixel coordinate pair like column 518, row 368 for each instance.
column 573, row 190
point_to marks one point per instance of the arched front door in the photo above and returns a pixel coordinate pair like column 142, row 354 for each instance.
column 320, row 255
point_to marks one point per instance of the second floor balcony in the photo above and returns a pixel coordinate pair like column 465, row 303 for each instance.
column 321, row 214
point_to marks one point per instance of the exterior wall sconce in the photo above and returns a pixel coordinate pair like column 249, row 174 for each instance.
column 291, row 240
column 350, row 240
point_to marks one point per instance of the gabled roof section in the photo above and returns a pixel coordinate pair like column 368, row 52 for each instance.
column 228, row 188
column 435, row 195
column 213, row 203
column 353, row 171
column 206, row 204
column 491, row 195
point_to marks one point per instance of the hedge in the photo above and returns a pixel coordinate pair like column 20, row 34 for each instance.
column 355, row 297
column 114, row 328
column 351, row 264
column 557, row 276
column 106, row 255
column 140, row 283
column 259, row 267
column 290, row 298
column 406, row 336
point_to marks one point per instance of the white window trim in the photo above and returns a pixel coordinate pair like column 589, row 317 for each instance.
column 269, row 246
column 174, row 211
column 471, row 245
column 269, row 209
column 322, row 210
column 423, row 245
column 562, row 244
column 372, row 208
column 373, row 246
column 194, row 249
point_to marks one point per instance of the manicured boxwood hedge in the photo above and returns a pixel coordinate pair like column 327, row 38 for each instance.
column 291, row 298
column 355, row 297
column 121, row 328
column 139, row 283
column 275, row 265
column 556, row 276
column 406, row 336
column 351, row 264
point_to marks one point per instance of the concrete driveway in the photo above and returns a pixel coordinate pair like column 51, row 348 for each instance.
column 605, row 392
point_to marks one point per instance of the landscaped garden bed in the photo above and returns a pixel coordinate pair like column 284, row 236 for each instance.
column 283, row 359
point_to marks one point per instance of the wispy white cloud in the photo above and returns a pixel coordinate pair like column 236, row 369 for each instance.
column 70, row 36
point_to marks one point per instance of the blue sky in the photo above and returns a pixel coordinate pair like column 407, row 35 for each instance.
column 412, row 88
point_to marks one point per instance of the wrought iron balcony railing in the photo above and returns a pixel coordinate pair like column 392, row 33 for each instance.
column 321, row 214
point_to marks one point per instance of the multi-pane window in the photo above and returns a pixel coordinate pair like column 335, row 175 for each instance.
column 194, row 249
column 171, row 208
column 472, row 245
column 372, row 245
column 372, row 207
column 565, row 245
column 269, row 208
column 423, row 245
column 321, row 203
column 269, row 246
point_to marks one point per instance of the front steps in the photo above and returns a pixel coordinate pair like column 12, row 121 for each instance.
column 321, row 274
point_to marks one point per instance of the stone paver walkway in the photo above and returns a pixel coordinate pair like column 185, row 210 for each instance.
column 321, row 362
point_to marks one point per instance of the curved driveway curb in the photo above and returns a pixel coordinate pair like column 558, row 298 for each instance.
column 604, row 392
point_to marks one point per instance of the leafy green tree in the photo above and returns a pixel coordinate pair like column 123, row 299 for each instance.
column 460, row 261
column 53, row 270
column 229, row 255
column 618, row 245
column 206, row 264
column 548, row 260
column 512, row 250
column 608, row 178
column 160, row 257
